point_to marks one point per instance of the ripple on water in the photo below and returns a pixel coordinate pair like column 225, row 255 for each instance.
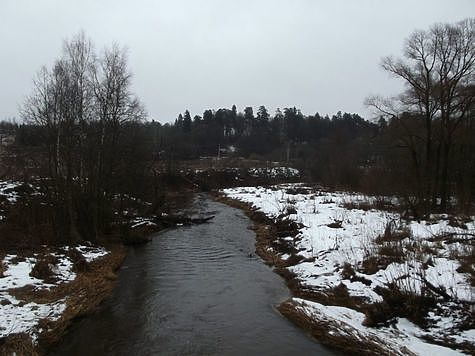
column 193, row 291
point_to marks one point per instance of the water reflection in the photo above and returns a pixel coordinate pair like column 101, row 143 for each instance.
column 193, row 291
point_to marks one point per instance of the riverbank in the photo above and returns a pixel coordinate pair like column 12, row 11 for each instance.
column 362, row 279
column 42, row 291
column 45, row 286
column 195, row 290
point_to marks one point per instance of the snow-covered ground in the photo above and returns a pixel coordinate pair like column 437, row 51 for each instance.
column 343, row 240
column 275, row 172
column 17, row 315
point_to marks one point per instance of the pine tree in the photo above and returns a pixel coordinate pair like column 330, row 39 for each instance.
column 187, row 122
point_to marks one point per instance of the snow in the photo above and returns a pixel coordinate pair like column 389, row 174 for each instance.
column 17, row 317
column 139, row 221
column 348, row 322
column 22, row 315
column 356, row 240
column 91, row 253
column 17, row 275
column 6, row 189
column 275, row 172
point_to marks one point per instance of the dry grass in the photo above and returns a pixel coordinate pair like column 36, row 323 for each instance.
column 401, row 296
column 43, row 268
column 17, row 344
column 467, row 263
column 328, row 332
column 79, row 262
column 297, row 190
column 2, row 266
column 84, row 294
column 290, row 209
column 393, row 252
column 381, row 258
column 385, row 249
column 393, row 235
column 348, row 272
column 378, row 203
column 94, row 282
column 335, row 224
column 459, row 221
column 405, row 303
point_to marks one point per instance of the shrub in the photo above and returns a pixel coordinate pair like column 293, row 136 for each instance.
column 290, row 209
column 79, row 262
column 336, row 224
column 43, row 268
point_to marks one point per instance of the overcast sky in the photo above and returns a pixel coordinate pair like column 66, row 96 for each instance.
column 317, row 55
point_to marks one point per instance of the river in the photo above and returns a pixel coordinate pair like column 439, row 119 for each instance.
column 196, row 290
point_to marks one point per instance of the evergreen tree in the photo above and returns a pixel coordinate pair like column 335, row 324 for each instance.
column 187, row 122
column 262, row 114
column 179, row 121
column 248, row 120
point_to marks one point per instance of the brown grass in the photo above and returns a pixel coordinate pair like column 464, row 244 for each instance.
column 17, row 344
column 348, row 272
column 393, row 233
column 393, row 252
column 391, row 246
column 79, row 262
column 335, row 225
column 327, row 332
column 401, row 303
column 376, row 204
column 297, row 190
column 2, row 266
column 85, row 294
column 43, row 268
column 467, row 261
column 396, row 301
column 458, row 222
column 92, row 285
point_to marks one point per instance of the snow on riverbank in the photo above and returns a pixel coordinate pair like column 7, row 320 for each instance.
column 20, row 315
column 368, row 250
column 403, row 335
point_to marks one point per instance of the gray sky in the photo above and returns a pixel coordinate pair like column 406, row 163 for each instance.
column 196, row 54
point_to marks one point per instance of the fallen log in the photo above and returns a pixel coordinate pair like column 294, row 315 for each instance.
column 173, row 220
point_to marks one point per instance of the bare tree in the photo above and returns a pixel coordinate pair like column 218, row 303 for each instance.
column 455, row 67
column 437, row 68
column 83, row 102
column 116, row 106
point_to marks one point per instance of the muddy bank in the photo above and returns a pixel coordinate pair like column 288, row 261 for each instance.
column 271, row 249
column 94, row 282
column 366, row 273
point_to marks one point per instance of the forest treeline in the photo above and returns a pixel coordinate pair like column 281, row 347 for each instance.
column 386, row 155
column 86, row 133
column 344, row 151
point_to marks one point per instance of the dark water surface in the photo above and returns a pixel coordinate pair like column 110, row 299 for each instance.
column 195, row 290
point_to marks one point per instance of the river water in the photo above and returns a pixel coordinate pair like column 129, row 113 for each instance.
column 196, row 290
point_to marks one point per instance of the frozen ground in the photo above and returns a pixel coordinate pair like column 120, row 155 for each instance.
column 23, row 316
column 367, row 250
